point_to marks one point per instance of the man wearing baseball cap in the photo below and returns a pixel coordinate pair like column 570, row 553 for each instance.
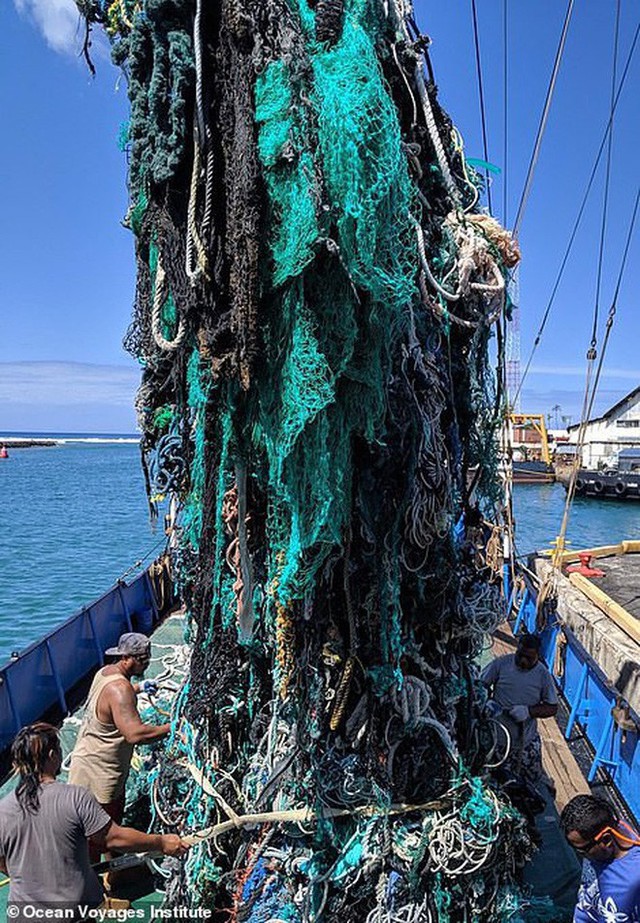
column 112, row 726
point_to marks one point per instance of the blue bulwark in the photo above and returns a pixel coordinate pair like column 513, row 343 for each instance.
column 597, row 710
column 41, row 677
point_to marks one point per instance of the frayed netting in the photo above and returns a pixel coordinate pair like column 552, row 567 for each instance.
column 316, row 295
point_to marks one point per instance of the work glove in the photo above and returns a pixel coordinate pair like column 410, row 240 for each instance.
column 519, row 713
column 149, row 687
column 492, row 709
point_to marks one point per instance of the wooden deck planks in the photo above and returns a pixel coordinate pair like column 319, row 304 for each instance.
column 559, row 764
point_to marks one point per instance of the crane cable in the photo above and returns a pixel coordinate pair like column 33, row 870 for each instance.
column 505, row 110
column 556, row 285
column 506, row 448
column 530, row 172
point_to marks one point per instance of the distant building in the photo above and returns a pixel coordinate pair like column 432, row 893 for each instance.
column 605, row 436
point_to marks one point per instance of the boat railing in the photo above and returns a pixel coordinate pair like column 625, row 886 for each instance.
column 596, row 708
column 40, row 681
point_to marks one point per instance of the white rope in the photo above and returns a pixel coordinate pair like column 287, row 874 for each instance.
column 434, row 134
column 159, row 298
column 473, row 251
column 303, row 815
column 399, row 11
column 194, row 242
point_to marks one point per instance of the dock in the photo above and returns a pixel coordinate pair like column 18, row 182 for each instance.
column 621, row 581
column 604, row 612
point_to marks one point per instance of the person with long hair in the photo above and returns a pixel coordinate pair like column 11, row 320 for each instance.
column 610, row 889
column 46, row 826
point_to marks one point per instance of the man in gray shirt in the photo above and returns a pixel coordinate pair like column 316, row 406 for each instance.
column 523, row 690
column 45, row 826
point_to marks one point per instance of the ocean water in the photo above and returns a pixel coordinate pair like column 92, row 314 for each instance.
column 538, row 511
column 74, row 518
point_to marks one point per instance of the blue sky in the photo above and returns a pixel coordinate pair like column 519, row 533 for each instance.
column 68, row 275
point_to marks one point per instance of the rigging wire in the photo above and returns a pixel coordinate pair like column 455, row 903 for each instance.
column 505, row 111
column 583, row 204
column 614, row 302
column 485, row 143
column 543, row 122
column 605, row 207
column 590, row 392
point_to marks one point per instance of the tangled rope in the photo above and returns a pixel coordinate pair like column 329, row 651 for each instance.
column 314, row 303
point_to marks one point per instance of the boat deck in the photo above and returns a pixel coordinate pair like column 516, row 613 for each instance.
column 552, row 875
column 169, row 664
column 621, row 581
column 554, row 872
column 558, row 760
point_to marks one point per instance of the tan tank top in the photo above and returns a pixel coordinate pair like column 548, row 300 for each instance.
column 101, row 757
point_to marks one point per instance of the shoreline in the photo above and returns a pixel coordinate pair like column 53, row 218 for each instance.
column 12, row 442
column 46, row 442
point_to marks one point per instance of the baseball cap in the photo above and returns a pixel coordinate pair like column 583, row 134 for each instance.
column 130, row 644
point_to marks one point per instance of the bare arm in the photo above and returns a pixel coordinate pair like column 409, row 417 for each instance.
column 124, row 713
column 3, row 866
column 126, row 839
column 543, row 710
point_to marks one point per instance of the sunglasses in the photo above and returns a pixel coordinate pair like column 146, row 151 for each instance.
column 588, row 846
column 622, row 839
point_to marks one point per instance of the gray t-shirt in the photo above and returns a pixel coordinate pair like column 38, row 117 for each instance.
column 513, row 686
column 46, row 853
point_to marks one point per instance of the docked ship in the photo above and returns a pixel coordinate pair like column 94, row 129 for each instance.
column 609, row 453
column 531, row 453
column 620, row 481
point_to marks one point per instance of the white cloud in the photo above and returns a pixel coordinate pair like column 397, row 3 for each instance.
column 67, row 384
column 57, row 20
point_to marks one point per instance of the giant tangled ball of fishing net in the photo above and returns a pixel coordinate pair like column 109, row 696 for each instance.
column 316, row 295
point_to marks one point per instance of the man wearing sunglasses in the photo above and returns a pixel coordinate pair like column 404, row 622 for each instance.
column 610, row 889
column 112, row 726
